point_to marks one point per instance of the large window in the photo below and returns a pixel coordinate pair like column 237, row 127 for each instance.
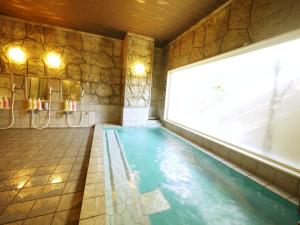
column 251, row 100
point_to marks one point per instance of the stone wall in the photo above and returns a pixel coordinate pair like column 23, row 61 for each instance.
column 94, row 60
column 137, row 87
column 157, row 89
column 137, row 49
column 235, row 24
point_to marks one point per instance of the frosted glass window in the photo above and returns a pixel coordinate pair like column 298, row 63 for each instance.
column 251, row 100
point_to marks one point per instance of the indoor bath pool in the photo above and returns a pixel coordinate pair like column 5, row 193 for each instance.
column 178, row 184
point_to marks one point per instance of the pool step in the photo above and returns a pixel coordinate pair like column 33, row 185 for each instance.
column 154, row 202
column 124, row 205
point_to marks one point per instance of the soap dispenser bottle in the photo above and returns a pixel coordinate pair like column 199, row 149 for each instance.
column 74, row 105
column 34, row 107
column 66, row 106
column 29, row 104
column 1, row 102
column 70, row 105
column 39, row 104
column 45, row 105
column 6, row 103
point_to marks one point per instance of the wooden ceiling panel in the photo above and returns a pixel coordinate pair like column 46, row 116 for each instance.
column 163, row 20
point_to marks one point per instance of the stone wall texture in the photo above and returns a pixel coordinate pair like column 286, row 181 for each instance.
column 94, row 60
column 235, row 24
column 137, row 49
column 158, row 83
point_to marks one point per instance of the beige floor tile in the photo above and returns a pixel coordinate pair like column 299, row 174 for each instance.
column 63, row 168
column 25, row 172
column 44, row 206
column 79, row 166
column 32, row 158
column 37, row 181
column 56, row 156
column 67, row 160
column 94, row 177
column 53, row 189
column 13, row 184
column 8, row 174
column 74, row 186
column 40, row 220
column 16, row 211
column 44, row 170
column 68, row 217
column 92, row 207
column 20, row 222
column 7, row 196
column 95, row 168
column 77, row 175
column 93, row 190
column 58, row 178
column 97, row 220
column 27, row 194
column 70, row 201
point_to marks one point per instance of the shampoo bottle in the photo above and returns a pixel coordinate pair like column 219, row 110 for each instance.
column 29, row 104
column 1, row 102
column 70, row 105
column 5, row 103
column 74, row 105
column 34, row 104
column 45, row 105
column 66, row 105
column 39, row 104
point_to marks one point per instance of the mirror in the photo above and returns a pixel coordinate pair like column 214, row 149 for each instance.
column 71, row 90
column 38, row 87
column 5, row 86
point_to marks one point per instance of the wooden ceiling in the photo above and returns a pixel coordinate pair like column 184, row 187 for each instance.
column 163, row 20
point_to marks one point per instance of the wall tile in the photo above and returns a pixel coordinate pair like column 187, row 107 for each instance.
column 287, row 182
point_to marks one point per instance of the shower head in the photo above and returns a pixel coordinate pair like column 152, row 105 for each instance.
column 82, row 93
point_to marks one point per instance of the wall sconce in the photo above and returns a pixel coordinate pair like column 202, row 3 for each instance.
column 17, row 55
column 53, row 60
column 138, row 69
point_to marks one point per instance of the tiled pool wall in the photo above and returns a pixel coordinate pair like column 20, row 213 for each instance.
column 283, row 182
column 94, row 206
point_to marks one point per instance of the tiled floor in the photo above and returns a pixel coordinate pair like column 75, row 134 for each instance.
column 42, row 175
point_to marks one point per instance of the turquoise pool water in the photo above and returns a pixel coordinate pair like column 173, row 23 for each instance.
column 199, row 189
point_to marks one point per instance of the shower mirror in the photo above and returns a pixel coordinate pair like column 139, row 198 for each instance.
column 71, row 90
column 38, row 87
column 5, row 86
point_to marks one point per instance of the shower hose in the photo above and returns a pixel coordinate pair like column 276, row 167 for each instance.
column 12, row 110
column 49, row 111
column 81, row 115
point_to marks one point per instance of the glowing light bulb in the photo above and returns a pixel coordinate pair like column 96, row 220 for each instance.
column 53, row 60
column 139, row 69
column 17, row 55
